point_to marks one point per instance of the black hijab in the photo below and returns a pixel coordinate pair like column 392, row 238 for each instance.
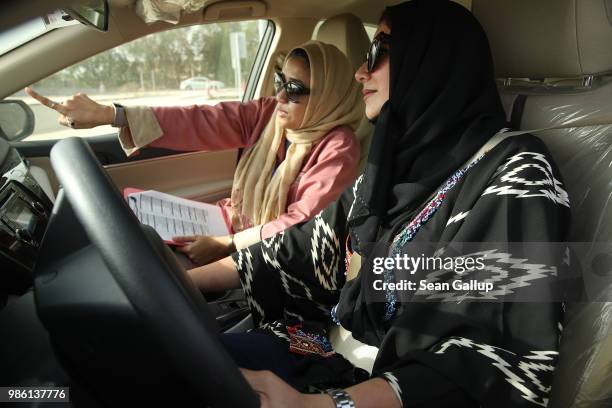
column 443, row 107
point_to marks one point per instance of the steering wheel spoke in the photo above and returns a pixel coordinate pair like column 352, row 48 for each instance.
column 167, row 305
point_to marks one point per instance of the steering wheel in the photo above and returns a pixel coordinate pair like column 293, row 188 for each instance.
column 164, row 297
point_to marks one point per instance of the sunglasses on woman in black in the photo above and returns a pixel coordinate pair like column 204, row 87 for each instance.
column 292, row 88
column 377, row 50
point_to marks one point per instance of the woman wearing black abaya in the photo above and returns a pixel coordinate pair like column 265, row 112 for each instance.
column 433, row 180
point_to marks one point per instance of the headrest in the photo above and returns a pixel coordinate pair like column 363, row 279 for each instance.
column 547, row 38
column 346, row 32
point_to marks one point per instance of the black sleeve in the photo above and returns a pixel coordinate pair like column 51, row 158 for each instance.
column 492, row 352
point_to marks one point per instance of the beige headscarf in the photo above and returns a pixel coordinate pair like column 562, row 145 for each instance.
column 334, row 100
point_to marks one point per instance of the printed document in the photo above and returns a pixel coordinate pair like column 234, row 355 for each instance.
column 173, row 216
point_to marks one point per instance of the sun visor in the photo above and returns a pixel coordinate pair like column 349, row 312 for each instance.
column 170, row 11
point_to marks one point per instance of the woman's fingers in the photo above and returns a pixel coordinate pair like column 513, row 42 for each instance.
column 66, row 121
column 64, row 118
column 259, row 381
column 185, row 238
column 202, row 249
column 183, row 249
column 274, row 392
column 251, row 376
column 187, row 246
column 58, row 107
column 78, row 111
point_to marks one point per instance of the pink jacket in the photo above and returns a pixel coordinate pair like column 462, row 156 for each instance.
column 329, row 168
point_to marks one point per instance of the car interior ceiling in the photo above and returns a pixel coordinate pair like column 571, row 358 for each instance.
column 582, row 87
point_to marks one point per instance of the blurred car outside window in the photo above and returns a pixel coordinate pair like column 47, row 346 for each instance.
column 202, row 64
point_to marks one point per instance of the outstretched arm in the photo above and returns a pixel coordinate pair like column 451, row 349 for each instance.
column 79, row 111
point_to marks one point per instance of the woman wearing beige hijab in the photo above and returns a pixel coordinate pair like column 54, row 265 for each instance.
column 300, row 149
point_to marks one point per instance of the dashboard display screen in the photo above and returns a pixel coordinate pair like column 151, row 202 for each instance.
column 20, row 216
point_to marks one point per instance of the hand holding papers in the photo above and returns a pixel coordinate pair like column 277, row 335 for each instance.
column 173, row 216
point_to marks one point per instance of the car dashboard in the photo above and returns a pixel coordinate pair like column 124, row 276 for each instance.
column 25, row 209
column 50, row 273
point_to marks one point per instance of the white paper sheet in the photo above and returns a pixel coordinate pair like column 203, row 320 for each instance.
column 172, row 216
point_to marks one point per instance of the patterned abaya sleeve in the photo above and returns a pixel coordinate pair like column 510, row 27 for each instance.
column 297, row 274
column 496, row 348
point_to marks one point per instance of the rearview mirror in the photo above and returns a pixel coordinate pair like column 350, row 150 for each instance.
column 16, row 120
column 92, row 13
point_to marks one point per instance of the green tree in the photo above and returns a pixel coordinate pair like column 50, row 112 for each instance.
column 161, row 60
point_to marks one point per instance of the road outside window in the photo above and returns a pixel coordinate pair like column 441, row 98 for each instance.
column 186, row 66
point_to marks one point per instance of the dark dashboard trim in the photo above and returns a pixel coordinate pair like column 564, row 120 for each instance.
column 106, row 147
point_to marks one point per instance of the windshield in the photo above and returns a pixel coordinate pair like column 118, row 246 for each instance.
column 21, row 34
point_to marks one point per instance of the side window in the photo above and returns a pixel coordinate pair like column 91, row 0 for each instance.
column 370, row 29
column 202, row 64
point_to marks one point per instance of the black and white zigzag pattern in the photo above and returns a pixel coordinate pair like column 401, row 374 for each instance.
column 274, row 243
column 244, row 264
column 529, row 374
column 457, row 217
column 325, row 253
column 292, row 286
column 278, row 329
column 515, row 182
column 355, row 187
column 505, row 272
column 394, row 383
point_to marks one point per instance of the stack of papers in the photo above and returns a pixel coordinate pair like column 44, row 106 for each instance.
column 173, row 216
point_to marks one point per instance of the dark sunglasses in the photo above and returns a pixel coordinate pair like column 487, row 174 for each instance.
column 292, row 88
column 377, row 50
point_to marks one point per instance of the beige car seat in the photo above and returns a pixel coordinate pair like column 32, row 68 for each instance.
column 347, row 32
column 565, row 40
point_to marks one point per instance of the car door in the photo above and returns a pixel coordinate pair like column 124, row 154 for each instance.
column 148, row 71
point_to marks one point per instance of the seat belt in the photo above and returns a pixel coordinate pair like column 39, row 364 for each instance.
column 506, row 133
column 342, row 338
column 355, row 262
column 489, row 145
